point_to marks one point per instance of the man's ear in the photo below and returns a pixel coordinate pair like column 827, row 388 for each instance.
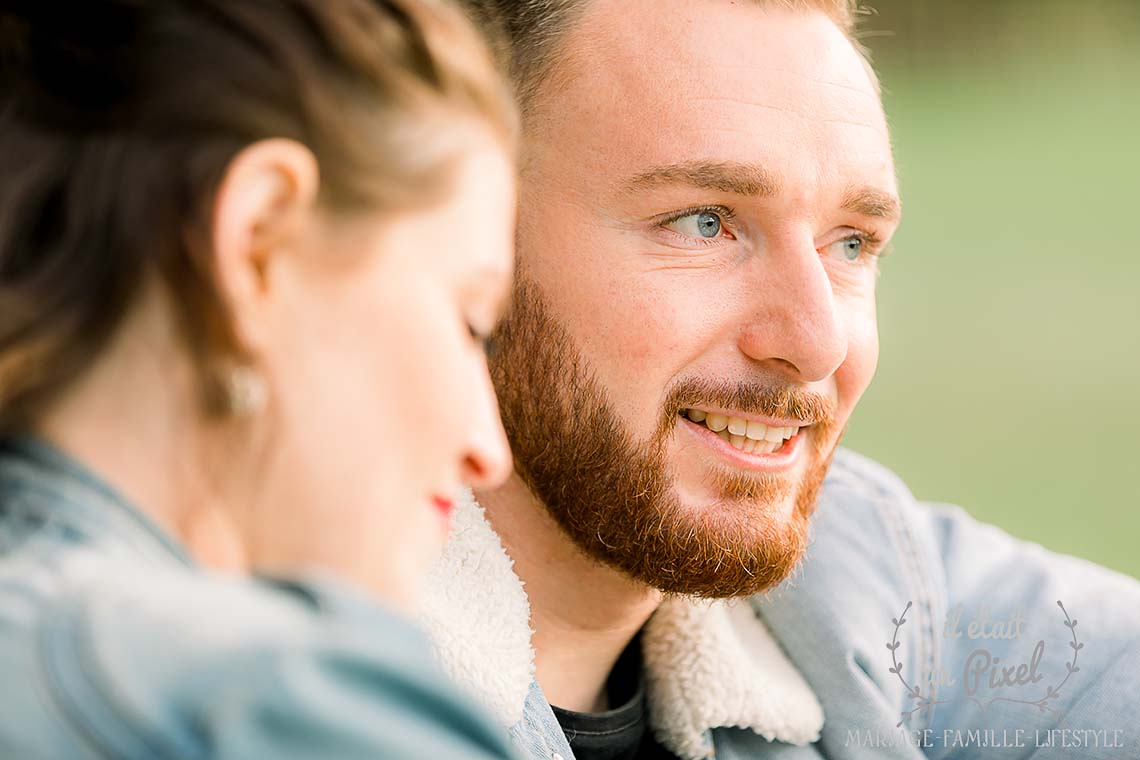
column 261, row 210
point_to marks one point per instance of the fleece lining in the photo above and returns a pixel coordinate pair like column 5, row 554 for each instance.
column 708, row 664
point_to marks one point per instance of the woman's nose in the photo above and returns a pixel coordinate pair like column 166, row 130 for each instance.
column 487, row 460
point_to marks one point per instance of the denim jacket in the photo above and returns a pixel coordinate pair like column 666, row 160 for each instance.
column 908, row 631
column 114, row 644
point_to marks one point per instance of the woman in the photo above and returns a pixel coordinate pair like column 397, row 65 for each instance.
column 248, row 253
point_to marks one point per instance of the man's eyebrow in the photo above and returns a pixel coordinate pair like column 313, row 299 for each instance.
column 725, row 176
column 869, row 201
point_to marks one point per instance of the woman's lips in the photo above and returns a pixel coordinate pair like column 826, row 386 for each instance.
column 445, row 506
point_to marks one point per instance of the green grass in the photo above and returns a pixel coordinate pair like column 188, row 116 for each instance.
column 1010, row 306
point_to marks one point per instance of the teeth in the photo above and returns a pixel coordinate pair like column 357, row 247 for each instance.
column 746, row 435
column 716, row 422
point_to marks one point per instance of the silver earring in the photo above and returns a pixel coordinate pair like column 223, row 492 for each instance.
column 246, row 391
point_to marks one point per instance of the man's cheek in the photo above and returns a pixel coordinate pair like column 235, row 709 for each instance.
column 647, row 343
column 635, row 353
column 864, row 351
column 858, row 369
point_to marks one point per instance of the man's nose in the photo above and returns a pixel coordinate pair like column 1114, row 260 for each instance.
column 794, row 320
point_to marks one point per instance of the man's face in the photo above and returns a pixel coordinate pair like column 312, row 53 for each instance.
column 705, row 187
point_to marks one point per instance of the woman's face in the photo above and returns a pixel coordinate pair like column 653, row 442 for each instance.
column 382, row 408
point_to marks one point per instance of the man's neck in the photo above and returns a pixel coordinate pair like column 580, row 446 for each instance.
column 583, row 614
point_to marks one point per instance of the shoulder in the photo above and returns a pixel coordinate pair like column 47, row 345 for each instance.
column 1034, row 639
column 967, row 557
column 137, row 661
column 877, row 551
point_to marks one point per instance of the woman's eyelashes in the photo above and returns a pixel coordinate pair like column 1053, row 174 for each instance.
column 482, row 309
column 478, row 336
column 483, row 340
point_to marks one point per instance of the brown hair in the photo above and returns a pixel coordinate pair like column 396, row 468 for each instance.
column 531, row 31
column 119, row 118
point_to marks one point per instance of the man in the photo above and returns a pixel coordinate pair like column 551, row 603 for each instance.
column 706, row 185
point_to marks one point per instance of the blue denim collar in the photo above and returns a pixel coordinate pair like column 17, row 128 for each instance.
column 39, row 480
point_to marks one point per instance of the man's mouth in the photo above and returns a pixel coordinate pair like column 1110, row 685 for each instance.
column 749, row 436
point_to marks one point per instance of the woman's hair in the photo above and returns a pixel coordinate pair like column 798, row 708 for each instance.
column 119, row 118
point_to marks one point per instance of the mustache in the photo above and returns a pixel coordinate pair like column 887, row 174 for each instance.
column 782, row 400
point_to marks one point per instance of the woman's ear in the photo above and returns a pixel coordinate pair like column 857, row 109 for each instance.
column 262, row 209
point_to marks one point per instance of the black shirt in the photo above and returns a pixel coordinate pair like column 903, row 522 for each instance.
column 621, row 733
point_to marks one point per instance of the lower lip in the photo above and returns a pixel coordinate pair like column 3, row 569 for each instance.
column 778, row 461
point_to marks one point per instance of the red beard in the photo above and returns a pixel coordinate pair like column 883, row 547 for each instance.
column 613, row 496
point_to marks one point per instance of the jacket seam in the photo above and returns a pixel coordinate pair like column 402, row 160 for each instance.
column 917, row 584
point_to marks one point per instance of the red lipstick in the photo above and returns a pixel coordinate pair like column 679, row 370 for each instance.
column 443, row 505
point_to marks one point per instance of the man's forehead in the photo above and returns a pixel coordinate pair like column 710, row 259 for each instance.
column 718, row 83
column 689, row 39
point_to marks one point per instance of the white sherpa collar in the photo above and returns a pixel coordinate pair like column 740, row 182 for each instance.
column 708, row 664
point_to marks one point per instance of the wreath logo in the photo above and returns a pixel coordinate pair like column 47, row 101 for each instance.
column 926, row 702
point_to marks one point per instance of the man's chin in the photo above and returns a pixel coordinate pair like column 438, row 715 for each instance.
column 733, row 533
column 727, row 548
column 712, row 509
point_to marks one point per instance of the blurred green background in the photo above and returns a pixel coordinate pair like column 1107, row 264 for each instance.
column 1010, row 304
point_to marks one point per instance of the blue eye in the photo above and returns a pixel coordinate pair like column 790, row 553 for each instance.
column 850, row 249
column 702, row 224
column 708, row 224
